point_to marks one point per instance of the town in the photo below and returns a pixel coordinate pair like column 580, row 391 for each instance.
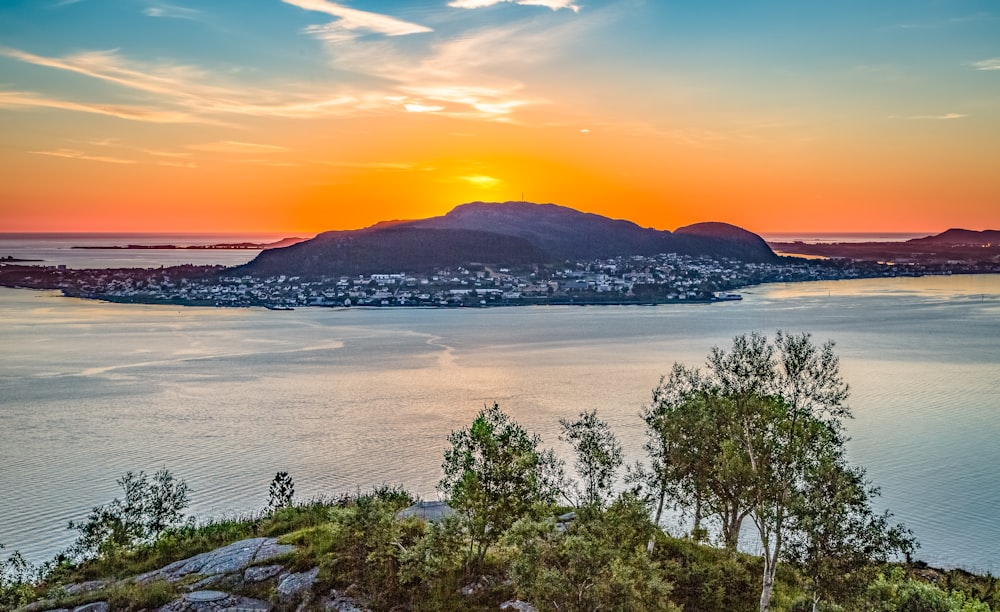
column 656, row 279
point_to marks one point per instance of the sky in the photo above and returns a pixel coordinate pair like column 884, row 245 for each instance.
column 312, row 115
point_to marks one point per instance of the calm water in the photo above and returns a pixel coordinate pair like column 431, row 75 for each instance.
column 57, row 249
column 825, row 237
column 225, row 398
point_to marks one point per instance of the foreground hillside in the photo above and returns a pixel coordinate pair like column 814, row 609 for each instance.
column 353, row 554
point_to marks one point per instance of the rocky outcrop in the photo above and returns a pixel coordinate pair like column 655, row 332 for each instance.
column 217, row 581
column 232, row 559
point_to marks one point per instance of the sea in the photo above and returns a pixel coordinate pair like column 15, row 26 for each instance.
column 347, row 399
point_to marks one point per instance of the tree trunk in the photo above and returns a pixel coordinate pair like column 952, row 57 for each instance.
column 696, row 528
column 771, row 562
column 656, row 521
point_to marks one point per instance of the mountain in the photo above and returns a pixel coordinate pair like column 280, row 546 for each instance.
column 509, row 233
column 954, row 245
column 961, row 237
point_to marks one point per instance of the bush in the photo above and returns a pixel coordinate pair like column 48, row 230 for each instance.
column 147, row 509
column 600, row 562
column 281, row 492
column 17, row 578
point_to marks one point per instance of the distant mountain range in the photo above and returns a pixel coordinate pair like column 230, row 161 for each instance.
column 961, row 237
column 948, row 246
column 508, row 233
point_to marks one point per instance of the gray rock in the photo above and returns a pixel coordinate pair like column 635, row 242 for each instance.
column 271, row 549
column 292, row 586
column 517, row 604
column 430, row 511
column 232, row 559
column 245, row 604
column 84, row 587
column 211, row 602
column 339, row 602
column 38, row 606
column 97, row 606
column 261, row 573
column 204, row 583
column 228, row 560
column 205, row 596
column 474, row 589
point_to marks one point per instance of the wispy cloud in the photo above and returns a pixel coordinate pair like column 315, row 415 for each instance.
column 945, row 117
column 232, row 146
column 353, row 19
column 74, row 154
column 422, row 108
column 172, row 11
column 196, row 93
column 477, row 75
column 122, row 111
column 366, row 165
column 988, row 64
column 555, row 5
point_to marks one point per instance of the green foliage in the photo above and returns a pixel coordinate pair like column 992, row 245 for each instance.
column 598, row 456
column 494, row 473
column 709, row 578
column 836, row 539
column 17, row 581
column 600, row 562
column 896, row 592
column 145, row 511
column 431, row 568
column 360, row 544
column 281, row 491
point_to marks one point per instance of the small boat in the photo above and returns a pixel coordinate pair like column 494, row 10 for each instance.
column 279, row 307
column 728, row 297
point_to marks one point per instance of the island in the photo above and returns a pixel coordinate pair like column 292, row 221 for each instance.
column 509, row 254
column 230, row 246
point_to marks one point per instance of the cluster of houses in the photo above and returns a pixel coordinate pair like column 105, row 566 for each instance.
column 662, row 278
column 637, row 279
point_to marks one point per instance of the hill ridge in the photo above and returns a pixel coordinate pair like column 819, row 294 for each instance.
column 511, row 233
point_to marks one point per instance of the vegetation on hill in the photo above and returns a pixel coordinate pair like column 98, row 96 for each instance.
column 756, row 436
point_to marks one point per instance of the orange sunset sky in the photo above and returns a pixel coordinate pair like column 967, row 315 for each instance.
column 310, row 115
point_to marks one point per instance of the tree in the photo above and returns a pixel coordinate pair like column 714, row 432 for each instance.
column 281, row 491
column 749, row 438
column 836, row 536
column 147, row 509
column 494, row 473
column 598, row 456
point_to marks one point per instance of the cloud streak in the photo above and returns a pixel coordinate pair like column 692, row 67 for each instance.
column 945, row 117
column 988, row 64
column 173, row 12
column 10, row 99
column 232, row 146
column 555, row 5
column 353, row 19
column 196, row 94
column 74, row 154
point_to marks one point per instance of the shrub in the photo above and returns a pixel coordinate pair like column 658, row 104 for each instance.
column 146, row 510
